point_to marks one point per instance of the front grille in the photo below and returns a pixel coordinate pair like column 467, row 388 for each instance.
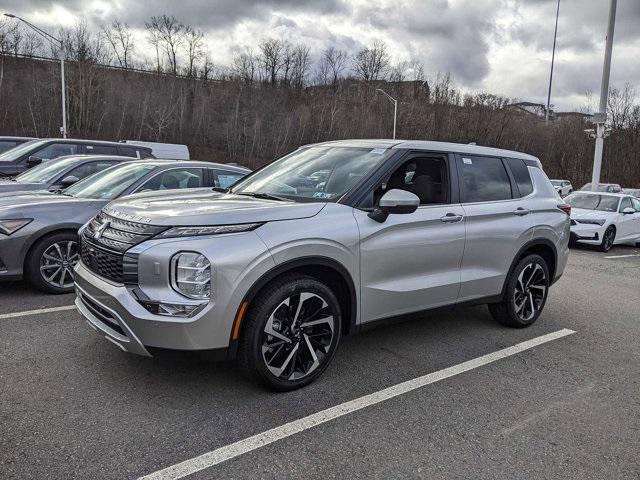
column 105, row 241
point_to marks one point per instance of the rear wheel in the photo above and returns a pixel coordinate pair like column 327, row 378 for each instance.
column 49, row 264
column 525, row 293
column 291, row 334
column 608, row 238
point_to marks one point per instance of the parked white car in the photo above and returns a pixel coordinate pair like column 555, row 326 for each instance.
column 634, row 192
column 167, row 151
column 604, row 219
column 563, row 187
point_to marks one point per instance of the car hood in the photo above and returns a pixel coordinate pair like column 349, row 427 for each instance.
column 579, row 213
column 203, row 207
column 9, row 186
column 24, row 202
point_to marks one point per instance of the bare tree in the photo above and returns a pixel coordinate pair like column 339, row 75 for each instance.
column 120, row 38
column 271, row 58
column 245, row 66
column 301, row 63
column 372, row 63
column 194, row 46
column 620, row 106
column 168, row 33
column 336, row 62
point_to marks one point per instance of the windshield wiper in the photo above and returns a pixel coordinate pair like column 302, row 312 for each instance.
column 265, row 196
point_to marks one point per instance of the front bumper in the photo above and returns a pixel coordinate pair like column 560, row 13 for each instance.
column 587, row 233
column 113, row 311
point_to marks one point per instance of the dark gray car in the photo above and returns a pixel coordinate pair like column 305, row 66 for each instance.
column 59, row 174
column 35, row 152
column 7, row 143
column 38, row 231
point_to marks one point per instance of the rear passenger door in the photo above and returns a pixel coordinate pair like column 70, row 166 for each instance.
column 628, row 223
column 498, row 221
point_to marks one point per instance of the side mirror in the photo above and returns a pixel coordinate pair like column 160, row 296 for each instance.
column 397, row 202
column 628, row 211
column 68, row 181
column 33, row 161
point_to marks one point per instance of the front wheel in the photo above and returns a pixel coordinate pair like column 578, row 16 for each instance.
column 525, row 293
column 49, row 264
column 292, row 333
column 607, row 239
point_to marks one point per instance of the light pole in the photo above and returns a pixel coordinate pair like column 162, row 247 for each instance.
column 395, row 109
column 56, row 42
column 553, row 57
column 601, row 117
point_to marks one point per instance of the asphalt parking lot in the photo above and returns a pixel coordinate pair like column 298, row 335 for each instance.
column 73, row 406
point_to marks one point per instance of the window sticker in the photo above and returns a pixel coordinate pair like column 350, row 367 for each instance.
column 467, row 161
column 322, row 195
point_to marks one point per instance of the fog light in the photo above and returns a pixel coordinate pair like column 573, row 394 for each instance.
column 172, row 309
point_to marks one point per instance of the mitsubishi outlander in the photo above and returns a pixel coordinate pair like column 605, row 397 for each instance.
column 277, row 268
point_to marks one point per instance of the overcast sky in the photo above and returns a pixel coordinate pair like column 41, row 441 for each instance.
column 498, row 46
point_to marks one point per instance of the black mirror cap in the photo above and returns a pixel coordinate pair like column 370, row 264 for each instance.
column 68, row 181
column 33, row 161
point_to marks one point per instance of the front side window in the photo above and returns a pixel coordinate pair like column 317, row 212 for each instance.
column 89, row 168
column 603, row 203
column 636, row 204
column 111, row 184
column 625, row 203
column 55, row 150
column 174, row 179
column 20, row 150
column 425, row 177
column 484, row 179
column 321, row 174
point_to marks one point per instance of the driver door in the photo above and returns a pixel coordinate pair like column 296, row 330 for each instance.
column 411, row 262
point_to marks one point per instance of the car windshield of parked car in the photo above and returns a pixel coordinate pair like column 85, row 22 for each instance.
column 321, row 174
column 46, row 172
column 603, row 203
column 17, row 152
column 110, row 183
column 556, row 183
column 602, row 187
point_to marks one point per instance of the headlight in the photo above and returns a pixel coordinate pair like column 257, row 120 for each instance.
column 12, row 226
column 591, row 221
column 207, row 230
column 191, row 275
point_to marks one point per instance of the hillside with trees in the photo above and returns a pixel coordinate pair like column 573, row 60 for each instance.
column 271, row 100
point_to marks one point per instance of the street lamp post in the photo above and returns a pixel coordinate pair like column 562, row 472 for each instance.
column 601, row 117
column 553, row 57
column 395, row 109
column 56, row 42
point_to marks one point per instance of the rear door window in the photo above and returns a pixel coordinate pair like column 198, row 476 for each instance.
column 521, row 175
column 176, row 178
column 55, row 150
column 101, row 149
column 484, row 179
column 130, row 152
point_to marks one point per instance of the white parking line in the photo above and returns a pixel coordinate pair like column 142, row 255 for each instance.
column 624, row 256
column 241, row 447
column 36, row 312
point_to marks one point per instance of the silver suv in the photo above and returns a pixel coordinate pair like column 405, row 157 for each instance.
column 318, row 244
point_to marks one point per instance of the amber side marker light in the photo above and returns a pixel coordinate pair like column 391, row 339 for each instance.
column 236, row 328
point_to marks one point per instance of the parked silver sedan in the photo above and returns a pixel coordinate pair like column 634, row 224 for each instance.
column 38, row 231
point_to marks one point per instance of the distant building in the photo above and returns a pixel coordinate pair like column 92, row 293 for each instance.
column 580, row 115
column 537, row 109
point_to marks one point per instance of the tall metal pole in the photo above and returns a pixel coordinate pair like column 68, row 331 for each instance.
column 601, row 117
column 56, row 42
column 553, row 57
column 395, row 108
column 64, row 97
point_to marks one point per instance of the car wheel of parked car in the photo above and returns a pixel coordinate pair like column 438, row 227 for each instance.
column 49, row 265
column 291, row 334
column 525, row 293
column 608, row 238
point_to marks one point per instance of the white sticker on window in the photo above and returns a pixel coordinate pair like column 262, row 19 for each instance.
column 467, row 161
column 378, row 151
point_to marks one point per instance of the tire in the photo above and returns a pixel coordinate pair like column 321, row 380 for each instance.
column 49, row 264
column 608, row 238
column 295, row 355
column 517, row 309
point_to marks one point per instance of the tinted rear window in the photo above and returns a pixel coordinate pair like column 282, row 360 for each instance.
column 484, row 180
column 521, row 174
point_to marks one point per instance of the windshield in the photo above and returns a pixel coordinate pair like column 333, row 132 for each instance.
column 46, row 172
column 20, row 150
column 320, row 174
column 603, row 187
column 556, row 183
column 603, row 203
column 109, row 183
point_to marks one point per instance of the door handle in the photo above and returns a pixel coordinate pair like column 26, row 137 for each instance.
column 451, row 218
column 521, row 212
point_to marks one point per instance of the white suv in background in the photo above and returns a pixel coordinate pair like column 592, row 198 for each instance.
column 563, row 187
